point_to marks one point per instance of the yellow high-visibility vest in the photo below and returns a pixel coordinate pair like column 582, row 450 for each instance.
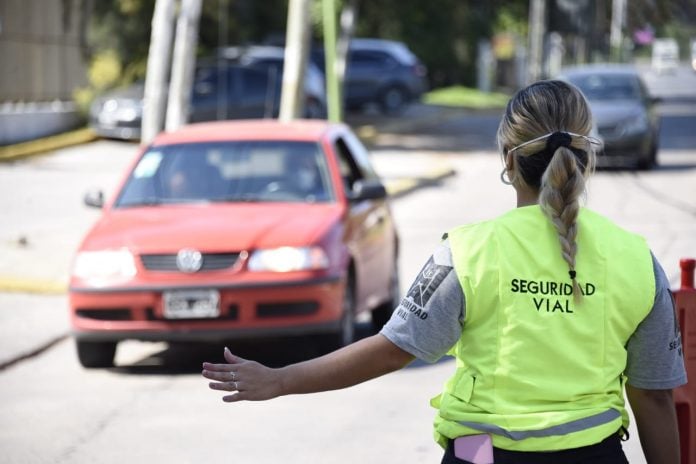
column 535, row 370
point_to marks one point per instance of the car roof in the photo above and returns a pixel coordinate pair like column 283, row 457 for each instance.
column 256, row 51
column 251, row 129
column 398, row 49
column 599, row 68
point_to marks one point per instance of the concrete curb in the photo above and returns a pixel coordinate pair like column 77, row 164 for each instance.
column 9, row 284
column 47, row 144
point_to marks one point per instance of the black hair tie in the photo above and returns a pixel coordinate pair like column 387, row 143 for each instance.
column 532, row 167
column 555, row 140
column 572, row 274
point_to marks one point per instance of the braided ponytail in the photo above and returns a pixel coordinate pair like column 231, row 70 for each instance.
column 561, row 186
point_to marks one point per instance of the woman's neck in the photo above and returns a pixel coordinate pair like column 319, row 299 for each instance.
column 527, row 198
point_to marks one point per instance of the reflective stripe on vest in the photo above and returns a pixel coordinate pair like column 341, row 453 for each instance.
column 561, row 429
column 536, row 369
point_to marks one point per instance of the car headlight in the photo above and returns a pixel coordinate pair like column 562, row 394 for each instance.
column 635, row 124
column 106, row 265
column 286, row 259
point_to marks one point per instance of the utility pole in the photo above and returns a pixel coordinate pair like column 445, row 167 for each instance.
column 184, row 62
column 347, row 23
column 537, row 26
column 333, row 97
column 157, row 70
column 296, row 55
column 618, row 19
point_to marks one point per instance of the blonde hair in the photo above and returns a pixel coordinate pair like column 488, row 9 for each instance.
column 535, row 112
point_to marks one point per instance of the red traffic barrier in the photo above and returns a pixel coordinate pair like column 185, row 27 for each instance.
column 685, row 396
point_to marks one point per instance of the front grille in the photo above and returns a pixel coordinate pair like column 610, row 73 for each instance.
column 303, row 308
column 232, row 315
column 167, row 262
column 115, row 314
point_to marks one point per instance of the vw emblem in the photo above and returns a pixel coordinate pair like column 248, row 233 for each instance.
column 188, row 260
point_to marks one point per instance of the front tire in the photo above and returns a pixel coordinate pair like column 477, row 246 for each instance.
column 650, row 161
column 346, row 333
column 393, row 100
column 382, row 313
column 96, row 354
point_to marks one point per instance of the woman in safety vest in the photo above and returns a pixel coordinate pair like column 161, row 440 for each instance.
column 550, row 311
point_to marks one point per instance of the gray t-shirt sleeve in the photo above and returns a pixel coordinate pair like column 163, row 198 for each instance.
column 655, row 357
column 428, row 321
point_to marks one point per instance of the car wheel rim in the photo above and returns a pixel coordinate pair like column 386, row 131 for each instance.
column 393, row 99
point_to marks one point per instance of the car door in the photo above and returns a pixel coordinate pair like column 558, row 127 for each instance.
column 370, row 229
column 259, row 96
column 366, row 71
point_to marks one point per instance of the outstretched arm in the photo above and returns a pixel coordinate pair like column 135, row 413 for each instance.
column 656, row 420
column 361, row 361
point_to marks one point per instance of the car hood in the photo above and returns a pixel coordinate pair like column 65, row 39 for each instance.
column 612, row 112
column 213, row 228
column 133, row 92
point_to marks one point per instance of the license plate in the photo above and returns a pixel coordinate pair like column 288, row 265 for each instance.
column 191, row 304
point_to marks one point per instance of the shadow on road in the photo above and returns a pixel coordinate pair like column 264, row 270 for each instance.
column 187, row 358
column 430, row 127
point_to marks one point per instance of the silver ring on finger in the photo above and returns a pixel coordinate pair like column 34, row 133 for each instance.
column 234, row 376
column 235, row 385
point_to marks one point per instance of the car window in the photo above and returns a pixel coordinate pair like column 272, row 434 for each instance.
column 350, row 171
column 229, row 171
column 371, row 59
column 608, row 86
column 360, row 155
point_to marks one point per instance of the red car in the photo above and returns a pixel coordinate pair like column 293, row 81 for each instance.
column 237, row 229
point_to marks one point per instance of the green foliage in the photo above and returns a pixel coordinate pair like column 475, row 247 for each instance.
column 104, row 70
column 466, row 97
column 512, row 18
column 122, row 28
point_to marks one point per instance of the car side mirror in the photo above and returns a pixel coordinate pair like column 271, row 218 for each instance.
column 94, row 199
column 371, row 189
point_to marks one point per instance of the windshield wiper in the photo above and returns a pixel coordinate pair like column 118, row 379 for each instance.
column 143, row 202
column 238, row 199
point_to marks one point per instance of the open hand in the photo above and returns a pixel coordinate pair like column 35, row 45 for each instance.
column 248, row 380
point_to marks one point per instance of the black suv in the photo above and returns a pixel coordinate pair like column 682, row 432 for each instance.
column 382, row 72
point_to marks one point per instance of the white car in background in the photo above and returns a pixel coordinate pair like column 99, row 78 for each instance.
column 665, row 55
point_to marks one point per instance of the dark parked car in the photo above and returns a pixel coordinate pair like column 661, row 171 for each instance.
column 623, row 111
column 221, row 91
column 379, row 71
column 272, row 59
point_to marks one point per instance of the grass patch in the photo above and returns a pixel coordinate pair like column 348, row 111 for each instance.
column 466, row 97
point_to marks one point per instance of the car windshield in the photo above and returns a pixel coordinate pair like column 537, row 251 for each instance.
column 248, row 171
column 608, row 86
